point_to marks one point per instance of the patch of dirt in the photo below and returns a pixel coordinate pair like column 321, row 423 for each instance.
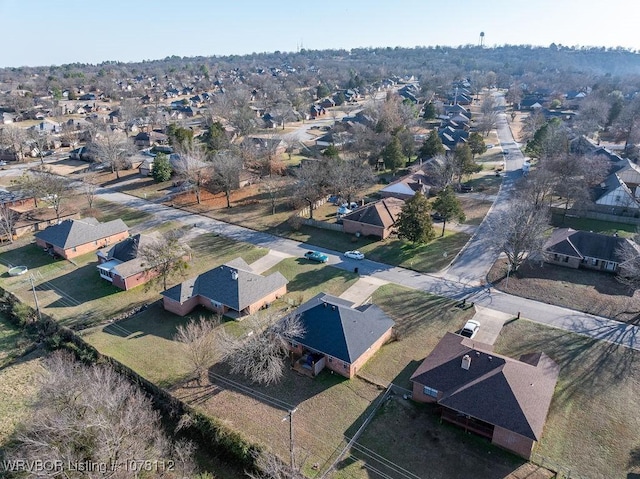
column 582, row 290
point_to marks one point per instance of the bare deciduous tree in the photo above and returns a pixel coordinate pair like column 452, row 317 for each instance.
column 201, row 343
column 269, row 466
column 165, row 257
column 518, row 231
column 260, row 356
column 91, row 415
column 312, row 183
column 226, row 168
column 194, row 170
column 8, row 219
column 13, row 138
column 112, row 148
column 39, row 140
column 89, row 189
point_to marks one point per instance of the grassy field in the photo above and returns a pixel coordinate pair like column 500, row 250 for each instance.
column 591, row 430
column 76, row 295
column 597, row 226
column 107, row 211
column 330, row 407
column 592, row 292
column 17, row 379
column 145, row 341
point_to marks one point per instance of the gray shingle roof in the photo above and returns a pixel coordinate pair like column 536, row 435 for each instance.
column 502, row 391
column 581, row 244
column 72, row 233
column 127, row 252
column 232, row 284
column 333, row 327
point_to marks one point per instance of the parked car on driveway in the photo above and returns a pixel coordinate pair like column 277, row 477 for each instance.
column 470, row 329
column 354, row 255
column 316, row 256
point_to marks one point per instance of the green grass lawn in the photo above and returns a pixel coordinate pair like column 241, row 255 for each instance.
column 421, row 321
column 107, row 211
column 307, row 278
column 145, row 342
column 591, row 428
column 597, row 226
column 75, row 294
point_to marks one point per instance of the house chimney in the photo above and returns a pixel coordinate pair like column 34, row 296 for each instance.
column 466, row 362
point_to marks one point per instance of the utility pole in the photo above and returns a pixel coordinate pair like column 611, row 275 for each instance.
column 290, row 417
column 35, row 296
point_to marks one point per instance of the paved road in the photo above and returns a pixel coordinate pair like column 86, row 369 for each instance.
column 454, row 288
column 474, row 261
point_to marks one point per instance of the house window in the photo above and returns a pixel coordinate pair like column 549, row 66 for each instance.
column 430, row 391
column 594, row 262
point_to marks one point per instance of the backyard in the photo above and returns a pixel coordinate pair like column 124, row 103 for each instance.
column 328, row 407
column 589, row 431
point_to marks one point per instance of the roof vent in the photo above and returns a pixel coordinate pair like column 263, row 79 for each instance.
column 490, row 357
column 333, row 306
column 466, row 362
column 478, row 353
column 234, row 275
column 325, row 304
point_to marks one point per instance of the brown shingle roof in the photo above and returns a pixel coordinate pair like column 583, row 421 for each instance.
column 499, row 390
column 382, row 213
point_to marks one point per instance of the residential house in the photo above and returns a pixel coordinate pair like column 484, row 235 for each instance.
column 337, row 335
column 316, row 111
column 71, row 238
column 408, row 186
column 501, row 398
column 122, row 264
column 146, row 139
column 374, row 219
column 584, row 249
column 232, row 289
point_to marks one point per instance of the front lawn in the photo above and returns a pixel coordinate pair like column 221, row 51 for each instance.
column 74, row 293
column 583, row 290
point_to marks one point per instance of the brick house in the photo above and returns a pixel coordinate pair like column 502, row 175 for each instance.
column 71, row 238
column 122, row 266
column 232, row 289
column 503, row 399
column 374, row 219
column 337, row 335
column 584, row 249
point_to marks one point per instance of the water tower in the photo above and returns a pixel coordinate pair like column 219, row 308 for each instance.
column 481, row 39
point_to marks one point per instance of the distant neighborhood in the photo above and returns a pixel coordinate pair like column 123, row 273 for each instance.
column 368, row 252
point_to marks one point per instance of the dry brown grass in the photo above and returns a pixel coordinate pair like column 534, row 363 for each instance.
column 592, row 429
column 582, row 290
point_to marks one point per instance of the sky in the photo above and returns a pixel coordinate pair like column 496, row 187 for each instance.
column 56, row 32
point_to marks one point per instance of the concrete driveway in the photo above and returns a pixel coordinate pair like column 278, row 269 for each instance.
column 491, row 322
column 268, row 261
column 362, row 289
